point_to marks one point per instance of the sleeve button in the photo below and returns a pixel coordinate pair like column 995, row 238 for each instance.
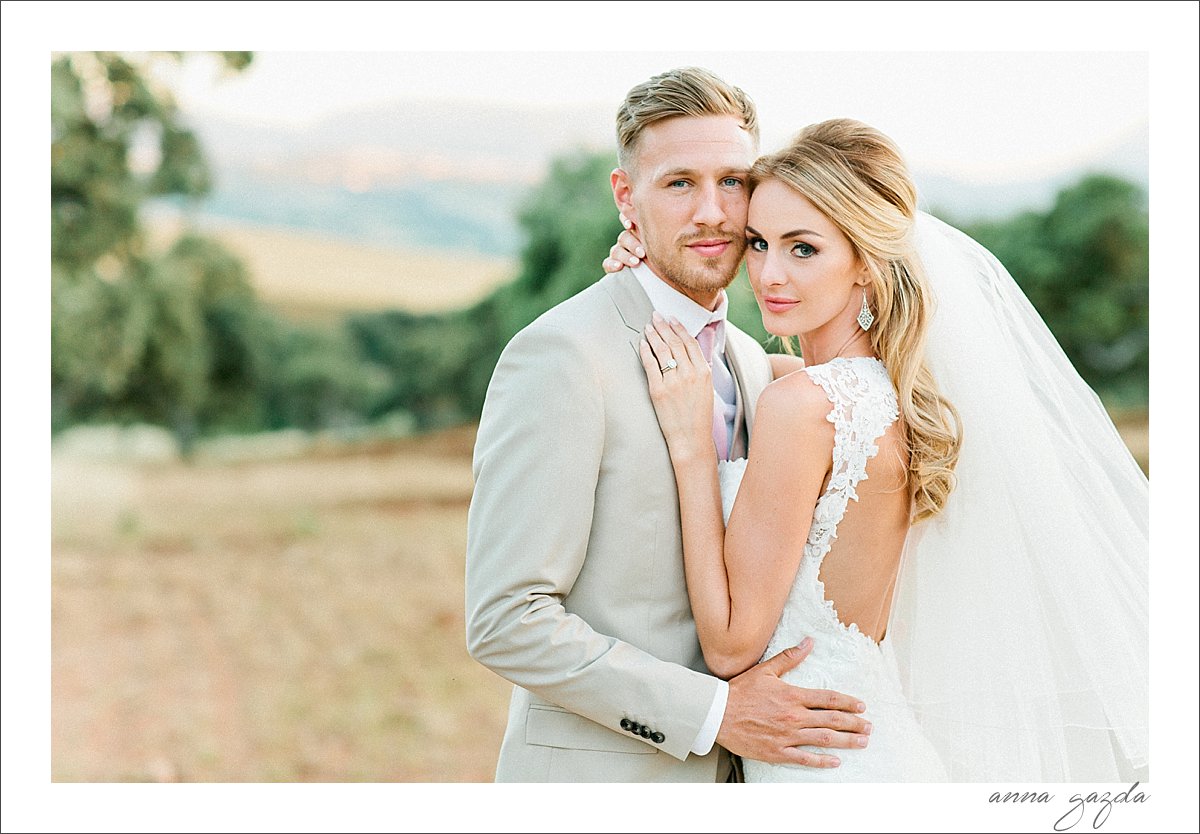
column 658, row 738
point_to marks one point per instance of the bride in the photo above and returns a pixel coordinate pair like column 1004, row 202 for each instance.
column 935, row 496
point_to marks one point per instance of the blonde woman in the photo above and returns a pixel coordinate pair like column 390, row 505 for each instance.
column 935, row 498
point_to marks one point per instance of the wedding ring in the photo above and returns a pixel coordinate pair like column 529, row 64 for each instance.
column 670, row 366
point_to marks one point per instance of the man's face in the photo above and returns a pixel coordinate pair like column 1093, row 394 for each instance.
column 687, row 198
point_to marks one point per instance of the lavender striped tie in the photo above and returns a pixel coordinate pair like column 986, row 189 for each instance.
column 707, row 337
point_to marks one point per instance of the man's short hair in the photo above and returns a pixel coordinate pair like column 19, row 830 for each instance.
column 687, row 91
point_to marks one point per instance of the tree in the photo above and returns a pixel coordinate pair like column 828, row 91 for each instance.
column 1084, row 265
column 443, row 362
column 134, row 333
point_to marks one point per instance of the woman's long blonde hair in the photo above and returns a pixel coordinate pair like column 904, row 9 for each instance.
column 856, row 176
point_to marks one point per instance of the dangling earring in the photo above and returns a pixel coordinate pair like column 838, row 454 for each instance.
column 865, row 317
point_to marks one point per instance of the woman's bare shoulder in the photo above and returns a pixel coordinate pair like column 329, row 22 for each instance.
column 783, row 364
column 792, row 441
column 795, row 399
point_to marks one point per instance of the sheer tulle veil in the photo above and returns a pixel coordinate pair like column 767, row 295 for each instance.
column 1020, row 620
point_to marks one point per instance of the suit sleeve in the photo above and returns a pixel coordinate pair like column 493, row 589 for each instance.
column 537, row 462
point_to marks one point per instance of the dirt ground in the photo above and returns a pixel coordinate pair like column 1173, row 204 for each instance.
column 286, row 620
column 298, row 618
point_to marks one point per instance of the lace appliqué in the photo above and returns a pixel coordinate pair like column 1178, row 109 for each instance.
column 862, row 411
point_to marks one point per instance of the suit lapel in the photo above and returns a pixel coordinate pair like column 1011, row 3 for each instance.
column 631, row 302
column 634, row 307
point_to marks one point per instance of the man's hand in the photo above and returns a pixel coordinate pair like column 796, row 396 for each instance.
column 766, row 719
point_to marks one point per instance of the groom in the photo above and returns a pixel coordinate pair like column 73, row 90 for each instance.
column 575, row 588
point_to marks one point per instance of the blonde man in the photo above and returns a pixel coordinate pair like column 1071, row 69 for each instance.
column 575, row 582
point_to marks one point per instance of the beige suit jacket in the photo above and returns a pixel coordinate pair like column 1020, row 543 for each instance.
column 575, row 588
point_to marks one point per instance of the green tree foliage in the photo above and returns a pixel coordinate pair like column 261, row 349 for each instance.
column 569, row 222
column 103, row 113
column 232, row 336
column 176, row 337
column 318, row 380
column 132, row 329
column 422, row 363
column 1084, row 264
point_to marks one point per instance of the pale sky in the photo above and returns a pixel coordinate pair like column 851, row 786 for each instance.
column 978, row 116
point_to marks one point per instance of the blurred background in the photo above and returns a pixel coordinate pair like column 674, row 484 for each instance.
column 280, row 282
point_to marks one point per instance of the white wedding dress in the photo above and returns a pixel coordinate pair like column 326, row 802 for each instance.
column 843, row 658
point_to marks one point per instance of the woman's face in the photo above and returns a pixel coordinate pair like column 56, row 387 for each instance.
column 802, row 268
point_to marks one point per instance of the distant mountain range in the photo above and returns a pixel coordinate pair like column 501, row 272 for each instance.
column 1129, row 159
column 437, row 175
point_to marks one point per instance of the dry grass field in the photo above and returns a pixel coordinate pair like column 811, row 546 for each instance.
column 294, row 618
column 281, row 620
column 307, row 275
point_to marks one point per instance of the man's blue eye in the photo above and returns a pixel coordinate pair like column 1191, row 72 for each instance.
column 804, row 250
column 677, row 182
column 732, row 182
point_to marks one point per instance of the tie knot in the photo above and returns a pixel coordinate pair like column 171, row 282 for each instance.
column 707, row 337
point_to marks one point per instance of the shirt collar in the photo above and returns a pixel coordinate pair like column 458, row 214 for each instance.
column 671, row 302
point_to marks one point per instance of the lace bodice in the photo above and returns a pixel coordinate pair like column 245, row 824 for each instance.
column 863, row 406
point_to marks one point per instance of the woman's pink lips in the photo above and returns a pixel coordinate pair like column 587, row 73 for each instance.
column 779, row 305
column 709, row 248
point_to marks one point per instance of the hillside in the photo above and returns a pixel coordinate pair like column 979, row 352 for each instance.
column 306, row 274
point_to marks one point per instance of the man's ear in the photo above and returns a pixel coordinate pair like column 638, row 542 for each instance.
column 622, row 188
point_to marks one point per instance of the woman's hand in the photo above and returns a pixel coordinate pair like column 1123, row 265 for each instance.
column 627, row 251
column 681, row 388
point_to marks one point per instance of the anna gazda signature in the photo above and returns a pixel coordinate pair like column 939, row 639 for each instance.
column 1082, row 805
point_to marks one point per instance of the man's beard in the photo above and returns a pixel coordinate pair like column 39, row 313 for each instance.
column 701, row 275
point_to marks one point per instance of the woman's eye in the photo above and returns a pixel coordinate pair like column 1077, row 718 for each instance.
column 757, row 244
column 803, row 250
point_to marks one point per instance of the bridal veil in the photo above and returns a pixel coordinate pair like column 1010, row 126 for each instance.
column 1020, row 620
